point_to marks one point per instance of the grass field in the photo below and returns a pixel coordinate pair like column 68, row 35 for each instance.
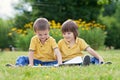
column 92, row 72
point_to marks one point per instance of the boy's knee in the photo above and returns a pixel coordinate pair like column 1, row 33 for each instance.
column 22, row 61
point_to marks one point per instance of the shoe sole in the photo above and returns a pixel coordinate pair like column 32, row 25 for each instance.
column 108, row 62
column 86, row 61
column 10, row 65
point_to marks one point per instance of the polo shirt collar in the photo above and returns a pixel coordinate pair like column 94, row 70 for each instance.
column 76, row 41
column 45, row 41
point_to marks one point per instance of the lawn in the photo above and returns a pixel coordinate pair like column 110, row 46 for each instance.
column 92, row 72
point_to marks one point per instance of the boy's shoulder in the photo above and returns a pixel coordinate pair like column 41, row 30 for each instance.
column 35, row 37
column 61, row 40
column 80, row 39
column 50, row 37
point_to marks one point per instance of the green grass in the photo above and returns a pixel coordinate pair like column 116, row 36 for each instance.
column 92, row 72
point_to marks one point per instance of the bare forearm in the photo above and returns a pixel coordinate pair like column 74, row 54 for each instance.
column 95, row 54
column 31, row 58
column 59, row 57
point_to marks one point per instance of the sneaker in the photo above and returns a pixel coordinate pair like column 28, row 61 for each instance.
column 108, row 62
column 10, row 65
column 86, row 60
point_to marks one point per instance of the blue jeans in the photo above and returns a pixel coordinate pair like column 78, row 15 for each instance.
column 94, row 60
column 24, row 61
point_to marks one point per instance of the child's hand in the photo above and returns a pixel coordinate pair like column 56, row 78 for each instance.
column 101, row 61
column 30, row 65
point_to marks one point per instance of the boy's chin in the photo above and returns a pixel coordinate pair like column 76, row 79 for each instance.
column 43, row 40
column 67, row 40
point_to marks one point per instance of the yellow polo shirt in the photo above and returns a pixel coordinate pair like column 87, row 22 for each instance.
column 74, row 51
column 43, row 52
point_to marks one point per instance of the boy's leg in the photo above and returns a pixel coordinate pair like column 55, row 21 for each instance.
column 94, row 60
column 37, row 62
column 22, row 61
column 49, row 63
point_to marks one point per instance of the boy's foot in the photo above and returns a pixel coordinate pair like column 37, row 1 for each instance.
column 108, row 62
column 86, row 60
column 10, row 65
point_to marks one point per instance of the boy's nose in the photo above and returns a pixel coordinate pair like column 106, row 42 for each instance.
column 42, row 36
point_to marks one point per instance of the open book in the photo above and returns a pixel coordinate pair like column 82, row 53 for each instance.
column 75, row 61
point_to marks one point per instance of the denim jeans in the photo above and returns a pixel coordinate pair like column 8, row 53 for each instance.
column 94, row 60
column 24, row 61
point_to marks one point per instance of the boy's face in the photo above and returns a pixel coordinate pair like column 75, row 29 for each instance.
column 43, row 35
column 68, row 36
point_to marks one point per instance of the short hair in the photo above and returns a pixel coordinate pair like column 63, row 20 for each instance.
column 70, row 26
column 41, row 24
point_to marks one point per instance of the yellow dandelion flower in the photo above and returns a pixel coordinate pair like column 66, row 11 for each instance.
column 95, row 25
column 31, row 23
column 83, row 22
column 86, row 25
column 13, row 29
column 19, row 31
column 81, row 25
column 59, row 24
column 87, row 28
column 9, row 34
column 80, row 20
column 23, row 35
column 53, row 22
column 24, row 32
column 26, row 25
column 83, row 29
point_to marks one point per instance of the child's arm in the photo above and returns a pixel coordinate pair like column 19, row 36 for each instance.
column 30, row 55
column 58, row 54
column 94, row 53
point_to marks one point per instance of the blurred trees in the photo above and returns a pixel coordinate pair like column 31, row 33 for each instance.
column 58, row 10
column 113, row 27
column 113, row 38
column 5, row 41
column 104, row 11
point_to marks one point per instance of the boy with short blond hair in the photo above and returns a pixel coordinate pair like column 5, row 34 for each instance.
column 43, row 49
column 43, row 46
